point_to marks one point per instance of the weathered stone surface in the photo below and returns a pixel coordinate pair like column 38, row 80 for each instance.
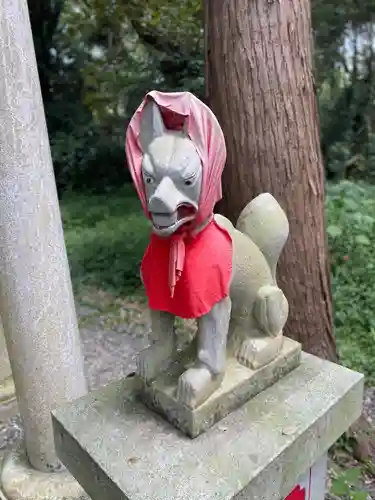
column 21, row 482
column 239, row 385
column 118, row 449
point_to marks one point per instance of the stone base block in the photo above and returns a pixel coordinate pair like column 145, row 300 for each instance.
column 120, row 450
column 239, row 385
column 19, row 481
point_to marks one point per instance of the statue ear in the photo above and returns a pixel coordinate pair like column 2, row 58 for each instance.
column 152, row 124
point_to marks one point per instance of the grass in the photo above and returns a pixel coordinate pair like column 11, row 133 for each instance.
column 106, row 236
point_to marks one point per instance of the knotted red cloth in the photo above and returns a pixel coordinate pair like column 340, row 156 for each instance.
column 204, row 268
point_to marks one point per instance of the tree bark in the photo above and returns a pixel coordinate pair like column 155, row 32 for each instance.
column 260, row 85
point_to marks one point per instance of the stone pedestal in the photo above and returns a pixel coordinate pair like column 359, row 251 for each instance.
column 118, row 449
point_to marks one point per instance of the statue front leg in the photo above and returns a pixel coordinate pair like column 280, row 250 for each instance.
column 152, row 360
column 200, row 381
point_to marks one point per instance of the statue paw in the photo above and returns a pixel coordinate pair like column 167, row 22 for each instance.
column 196, row 385
column 257, row 352
column 152, row 361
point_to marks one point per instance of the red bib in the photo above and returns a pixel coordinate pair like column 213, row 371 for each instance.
column 205, row 278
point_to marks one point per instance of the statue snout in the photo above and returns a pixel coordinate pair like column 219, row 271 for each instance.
column 166, row 198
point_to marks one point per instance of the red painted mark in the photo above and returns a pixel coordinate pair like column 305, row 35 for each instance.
column 297, row 494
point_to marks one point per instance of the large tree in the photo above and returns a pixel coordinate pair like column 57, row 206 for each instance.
column 260, row 84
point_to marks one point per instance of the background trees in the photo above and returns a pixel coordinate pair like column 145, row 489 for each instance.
column 96, row 59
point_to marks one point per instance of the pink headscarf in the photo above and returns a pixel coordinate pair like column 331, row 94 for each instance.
column 205, row 132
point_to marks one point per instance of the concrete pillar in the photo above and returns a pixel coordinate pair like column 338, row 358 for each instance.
column 7, row 390
column 36, row 299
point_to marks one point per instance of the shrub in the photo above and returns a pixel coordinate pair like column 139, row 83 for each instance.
column 106, row 236
column 89, row 160
column 351, row 233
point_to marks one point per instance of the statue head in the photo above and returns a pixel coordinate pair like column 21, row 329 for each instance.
column 176, row 154
column 171, row 172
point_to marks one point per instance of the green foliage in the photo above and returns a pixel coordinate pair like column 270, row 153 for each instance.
column 351, row 233
column 88, row 160
column 347, row 485
column 97, row 59
column 106, row 236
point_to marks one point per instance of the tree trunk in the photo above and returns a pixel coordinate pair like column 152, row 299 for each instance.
column 260, row 86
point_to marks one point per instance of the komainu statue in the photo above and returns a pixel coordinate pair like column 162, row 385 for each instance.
column 198, row 265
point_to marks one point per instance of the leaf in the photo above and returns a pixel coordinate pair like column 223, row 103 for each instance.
column 353, row 475
column 334, row 231
column 350, row 204
column 358, row 495
column 339, row 487
column 368, row 219
column 362, row 239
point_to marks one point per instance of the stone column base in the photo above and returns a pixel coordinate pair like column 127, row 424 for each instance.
column 19, row 481
column 8, row 402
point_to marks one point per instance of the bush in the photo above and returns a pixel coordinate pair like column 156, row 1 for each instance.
column 89, row 160
column 106, row 237
column 351, row 233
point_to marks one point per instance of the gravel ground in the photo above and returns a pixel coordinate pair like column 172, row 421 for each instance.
column 112, row 335
column 110, row 340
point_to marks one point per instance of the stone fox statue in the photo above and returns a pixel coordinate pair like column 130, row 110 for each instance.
column 198, row 265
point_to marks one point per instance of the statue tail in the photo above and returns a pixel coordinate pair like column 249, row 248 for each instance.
column 265, row 223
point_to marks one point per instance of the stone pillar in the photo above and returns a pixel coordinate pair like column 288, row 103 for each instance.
column 36, row 299
column 7, row 390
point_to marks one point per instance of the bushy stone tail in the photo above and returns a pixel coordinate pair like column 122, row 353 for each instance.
column 265, row 222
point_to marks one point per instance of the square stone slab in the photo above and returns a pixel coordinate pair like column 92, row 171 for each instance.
column 239, row 385
column 119, row 450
